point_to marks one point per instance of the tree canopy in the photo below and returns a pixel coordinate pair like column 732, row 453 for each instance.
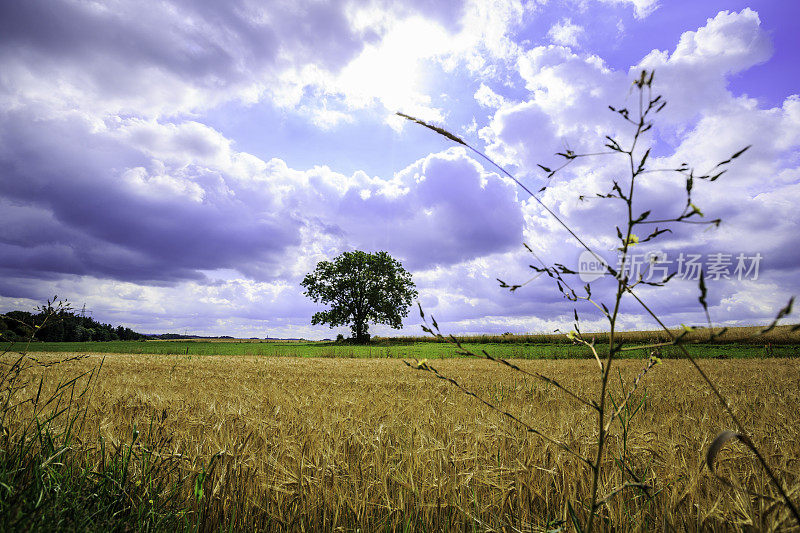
column 59, row 324
column 361, row 288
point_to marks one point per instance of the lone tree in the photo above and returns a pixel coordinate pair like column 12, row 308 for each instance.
column 361, row 288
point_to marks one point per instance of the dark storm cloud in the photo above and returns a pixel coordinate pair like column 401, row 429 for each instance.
column 167, row 58
column 224, row 41
column 88, row 189
column 84, row 203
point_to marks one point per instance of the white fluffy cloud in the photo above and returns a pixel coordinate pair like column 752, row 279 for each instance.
column 118, row 191
column 694, row 76
column 642, row 8
column 144, row 202
column 566, row 90
column 565, row 33
column 566, row 107
column 391, row 72
column 171, row 58
column 486, row 97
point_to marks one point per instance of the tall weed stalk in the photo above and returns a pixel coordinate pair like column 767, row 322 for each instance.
column 617, row 413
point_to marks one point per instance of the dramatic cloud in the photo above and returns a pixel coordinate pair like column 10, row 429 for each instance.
column 169, row 163
column 123, row 214
column 753, row 199
column 166, row 57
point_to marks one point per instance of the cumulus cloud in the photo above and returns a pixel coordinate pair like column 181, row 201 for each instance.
column 566, row 107
column 486, row 97
column 446, row 216
column 565, row 92
column 116, row 189
column 694, row 76
column 162, row 58
column 170, row 58
column 124, row 214
column 565, row 33
column 150, row 201
column 642, row 8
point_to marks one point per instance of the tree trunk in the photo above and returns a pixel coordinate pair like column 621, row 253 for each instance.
column 360, row 334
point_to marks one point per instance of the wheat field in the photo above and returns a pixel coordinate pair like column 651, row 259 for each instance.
column 373, row 445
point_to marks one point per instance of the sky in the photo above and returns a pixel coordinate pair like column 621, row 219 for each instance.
column 179, row 166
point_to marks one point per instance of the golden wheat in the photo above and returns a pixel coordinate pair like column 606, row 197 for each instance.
column 323, row 444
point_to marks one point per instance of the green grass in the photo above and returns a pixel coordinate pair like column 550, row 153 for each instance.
column 50, row 480
column 420, row 350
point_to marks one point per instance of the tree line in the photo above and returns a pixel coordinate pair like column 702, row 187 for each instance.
column 60, row 325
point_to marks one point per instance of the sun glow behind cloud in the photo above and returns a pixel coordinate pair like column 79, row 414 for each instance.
column 122, row 189
column 393, row 71
column 396, row 71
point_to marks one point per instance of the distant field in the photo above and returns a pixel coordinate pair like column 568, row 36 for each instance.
column 395, row 349
column 734, row 335
column 371, row 445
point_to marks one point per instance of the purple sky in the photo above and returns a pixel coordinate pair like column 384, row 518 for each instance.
column 181, row 165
